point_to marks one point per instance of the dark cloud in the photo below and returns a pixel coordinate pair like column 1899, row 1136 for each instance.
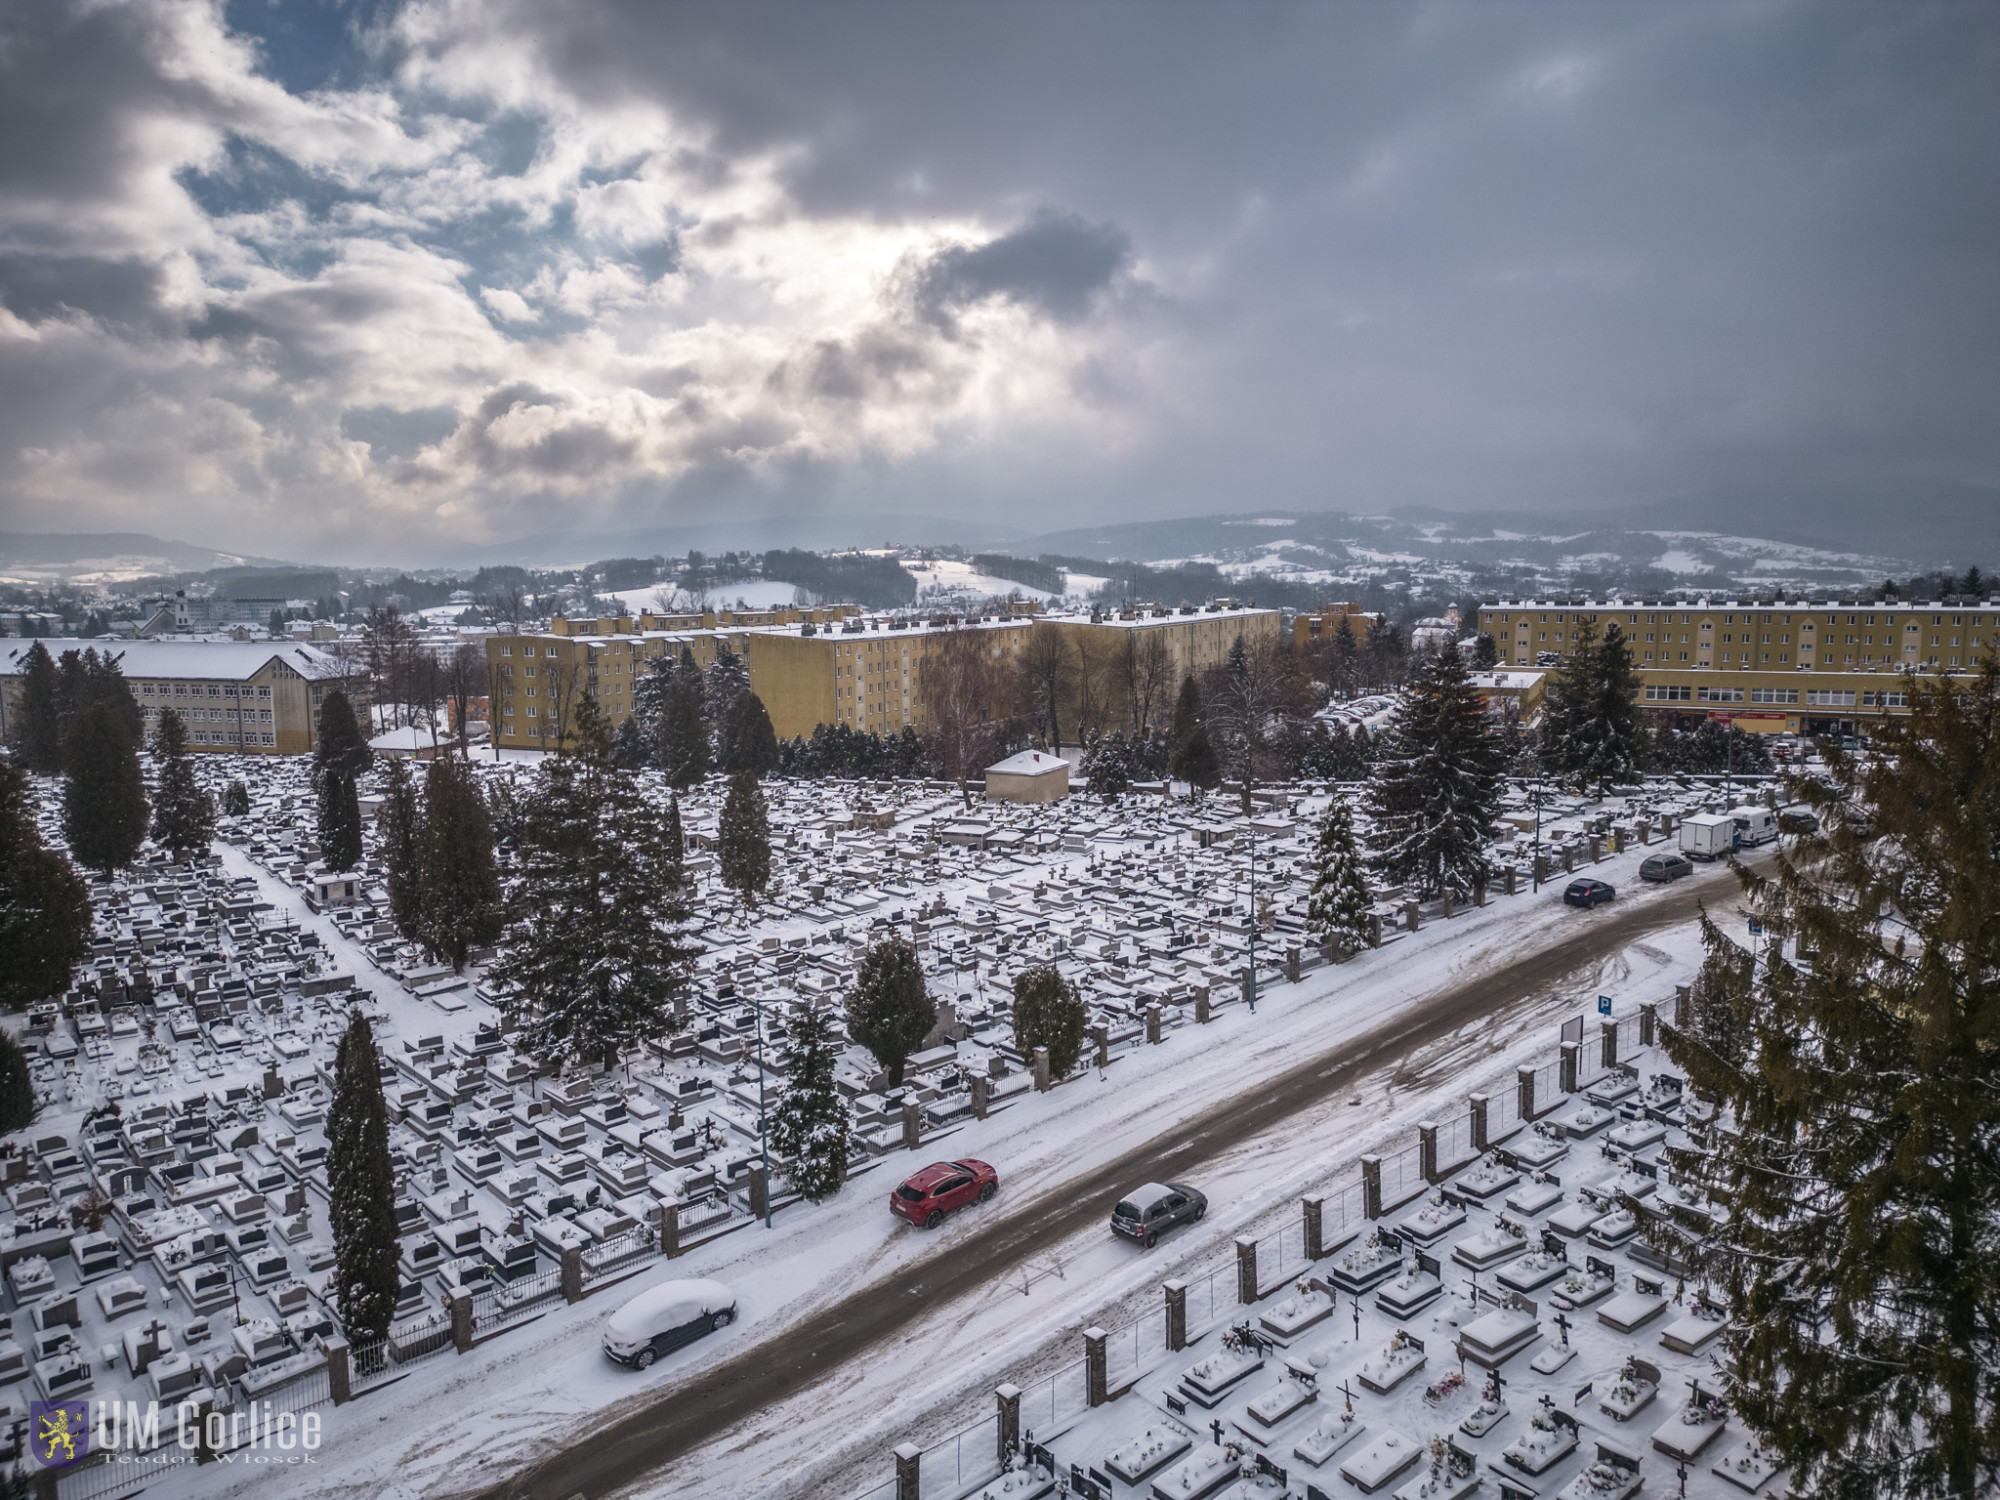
column 392, row 434
column 124, row 292
column 1056, row 264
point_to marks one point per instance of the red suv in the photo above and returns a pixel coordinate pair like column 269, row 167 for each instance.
column 942, row 1188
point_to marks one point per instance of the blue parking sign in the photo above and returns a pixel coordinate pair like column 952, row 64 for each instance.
column 1604, row 1005
column 1756, row 927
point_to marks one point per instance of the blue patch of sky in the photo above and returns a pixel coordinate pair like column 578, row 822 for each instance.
column 310, row 44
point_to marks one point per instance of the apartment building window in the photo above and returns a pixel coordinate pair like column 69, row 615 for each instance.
column 1885, row 700
column 1829, row 698
column 549, row 651
column 1668, row 693
column 1719, row 695
column 506, row 650
column 1774, row 695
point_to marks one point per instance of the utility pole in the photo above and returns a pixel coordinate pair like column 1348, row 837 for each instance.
column 1537, row 873
column 763, row 1144
column 1252, row 987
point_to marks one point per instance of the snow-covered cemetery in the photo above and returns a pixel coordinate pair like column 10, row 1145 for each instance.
column 1181, row 1138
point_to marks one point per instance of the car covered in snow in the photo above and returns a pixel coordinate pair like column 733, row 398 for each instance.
column 941, row 1188
column 663, row 1318
column 1588, row 893
column 1150, row 1211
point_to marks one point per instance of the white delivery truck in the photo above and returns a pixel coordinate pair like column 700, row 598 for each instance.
column 1754, row 826
column 1708, row 835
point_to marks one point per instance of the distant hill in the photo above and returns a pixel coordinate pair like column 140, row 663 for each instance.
column 125, row 554
column 748, row 534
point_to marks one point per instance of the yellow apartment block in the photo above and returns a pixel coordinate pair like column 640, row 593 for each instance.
column 1776, row 666
column 236, row 697
column 866, row 673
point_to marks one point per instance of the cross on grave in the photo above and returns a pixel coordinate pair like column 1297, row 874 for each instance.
column 1215, row 1427
column 1346, row 1391
column 1499, row 1385
column 1565, row 1325
column 1357, row 1320
column 1681, row 1473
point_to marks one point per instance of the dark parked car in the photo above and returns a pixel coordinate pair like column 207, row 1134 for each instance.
column 943, row 1187
column 1588, row 893
column 1148, row 1212
column 662, row 1319
column 1665, row 867
column 1798, row 820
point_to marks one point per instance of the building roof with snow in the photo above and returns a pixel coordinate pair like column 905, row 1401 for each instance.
column 187, row 661
column 1030, row 763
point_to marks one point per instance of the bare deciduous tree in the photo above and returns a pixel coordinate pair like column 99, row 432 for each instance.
column 1146, row 670
column 1047, row 673
column 959, row 684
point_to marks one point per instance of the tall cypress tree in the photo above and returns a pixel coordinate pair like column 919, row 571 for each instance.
column 183, row 814
column 683, row 736
column 1337, row 909
column 1435, row 791
column 461, row 882
column 595, row 956
column 44, row 904
column 809, row 1128
column 673, row 841
column 340, row 745
column 889, row 1010
column 399, row 845
column 104, row 791
column 339, row 820
column 38, row 727
column 1853, row 1150
column 748, row 742
column 743, row 838
column 361, row 1188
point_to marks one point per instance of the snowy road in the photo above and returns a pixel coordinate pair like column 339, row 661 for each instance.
column 756, row 1382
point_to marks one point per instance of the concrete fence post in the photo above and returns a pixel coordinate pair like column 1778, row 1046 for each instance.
column 979, row 1096
column 1682, row 994
column 1524, row 1088
column 913, row 1126
column 1569, row 859
column 908, row 1485
column 1649, row 1025
column 670, row 1228
column 1246, row 1270
column 1152, row 1025
column 1509, row 876
column 1292, row 963
column 1371, row 1186
column 1450, row 906
column 1569, row 1050
column 1412, row 918
column 1477, row 1108
column 1043, row 1083
column 1596, row 848
column 1100, row 1038
column 1007, row 1406
column 1201, row 1004
column 1645, row 832
column 1374, row 929
column 1176, row 1294
column 1313, row 1206
column 572, row 1274
column 461, row 1322
column 1096, row 1366
column 1610, row 1029
column 1479, row 891
column 1249, row 976
column 757, row 1188
column 339, row 1371
column 1427, row 1149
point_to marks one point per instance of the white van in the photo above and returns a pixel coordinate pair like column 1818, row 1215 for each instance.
column 1754, row 826
column 1708, row 835
column 662, row 1319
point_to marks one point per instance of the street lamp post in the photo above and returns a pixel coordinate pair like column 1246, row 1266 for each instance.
column 763, row 1143
column 1252, row 988
column 1537, row 874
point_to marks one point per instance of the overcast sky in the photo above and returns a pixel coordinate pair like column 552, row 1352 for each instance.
column 361, row 281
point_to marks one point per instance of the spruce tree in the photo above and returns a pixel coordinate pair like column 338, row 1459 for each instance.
column 1194, row 759
column 673, row 841
column 340, row 745
column 183, row 814
column 400, row 848
column 361, row 1189
column 809, row 1127
column 1590, row 727
column 749, row 743
column 339, row 819
column 44, row 905
column 38, row 724
column 594, row 956
column 743, row 839
column 1049, row 1013
column 1435, row 791
column 1850, row 1143
column 1337, row 909
column 460, row 901
column 236, row 800
column 727, row 684
column 104, row 791
column 683, row 734
column 88, row 678
column 17, row 1086
column 889, row 1011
